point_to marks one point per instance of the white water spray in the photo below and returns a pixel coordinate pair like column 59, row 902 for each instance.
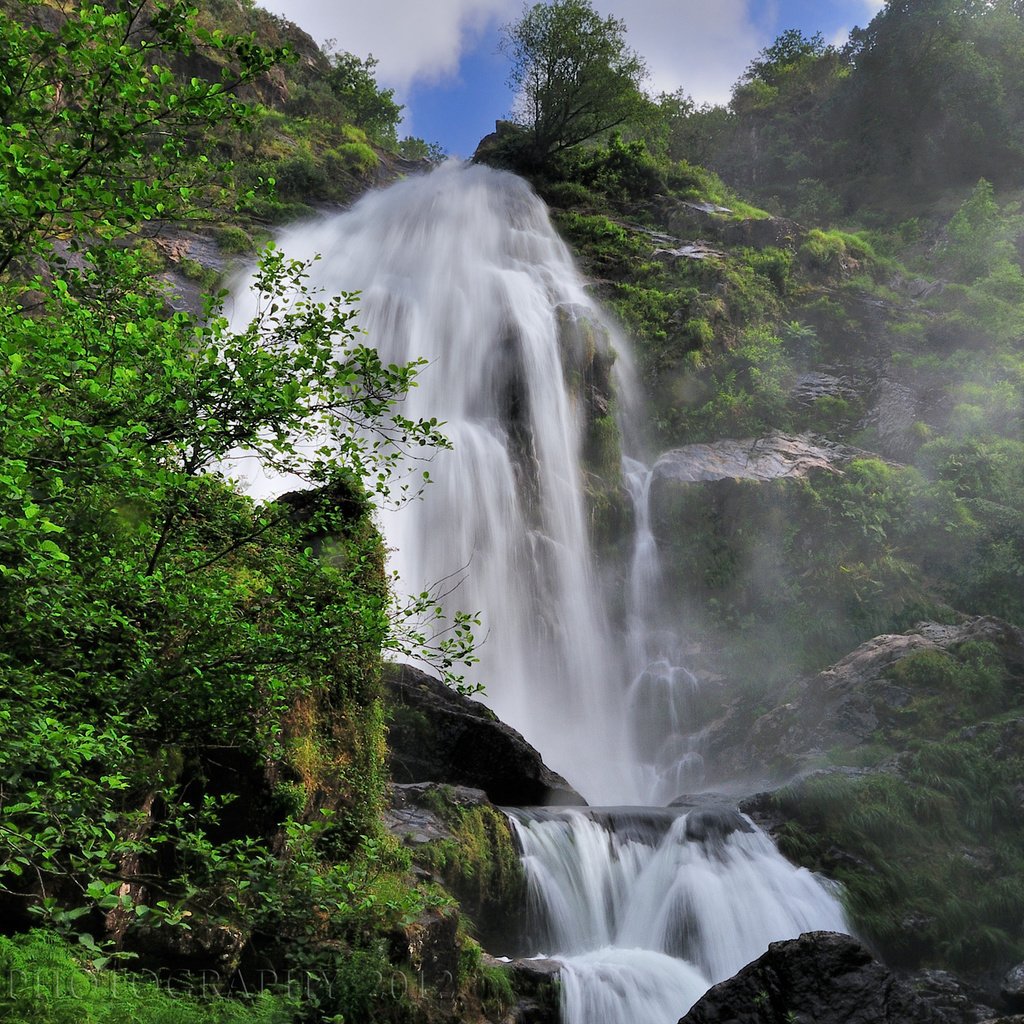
column 648, row 909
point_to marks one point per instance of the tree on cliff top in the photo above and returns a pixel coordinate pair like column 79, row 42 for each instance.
column 574, row 75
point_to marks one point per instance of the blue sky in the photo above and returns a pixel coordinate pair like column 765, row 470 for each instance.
column 440, row 55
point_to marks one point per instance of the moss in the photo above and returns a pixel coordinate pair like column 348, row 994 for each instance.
column 355, row 157
column 479, row 864
column 234, row 240
column 195, row 271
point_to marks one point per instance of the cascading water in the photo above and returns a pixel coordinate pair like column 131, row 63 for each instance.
column 649, row 908
column 463, row 268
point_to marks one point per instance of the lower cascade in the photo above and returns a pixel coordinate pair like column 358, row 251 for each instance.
column 646, row 907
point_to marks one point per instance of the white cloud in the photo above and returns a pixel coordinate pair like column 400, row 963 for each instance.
column 698, row 46
column 839, row 38
column 413, row 39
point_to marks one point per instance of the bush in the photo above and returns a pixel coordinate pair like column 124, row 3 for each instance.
column 354, row 157
column 46, row 981
column 234, row 240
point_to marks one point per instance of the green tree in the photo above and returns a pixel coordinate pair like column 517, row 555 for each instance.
column 574, row 75
column 364, row 103
column 157, row 628
column 98, row 133
column 778, row 135
column 684, row 131
column 935, row 97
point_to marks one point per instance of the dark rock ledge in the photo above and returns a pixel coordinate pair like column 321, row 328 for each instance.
column 438, row 735
column 827, row 978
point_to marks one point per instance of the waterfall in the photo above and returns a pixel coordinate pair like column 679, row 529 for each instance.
column 463, row 268
column 649, row 908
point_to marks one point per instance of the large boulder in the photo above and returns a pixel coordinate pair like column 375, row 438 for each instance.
column 691, row 219
column 439, row 735
column 819, row 978
column 774, row 457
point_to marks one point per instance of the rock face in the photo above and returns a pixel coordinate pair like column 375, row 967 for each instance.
column 461, row 841
column 438, row 735
column 708, row 220
column 1012, row 988
column 714, row 823
column 819, row 978
column 843, row 706
column 774, row 457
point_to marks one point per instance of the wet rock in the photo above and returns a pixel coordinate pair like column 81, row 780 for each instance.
column 412, row 818
column 917, row 288
column 893, row 415
column 812, row 386
column 432, row 947
column 535, row 983
column 714, row 823
column 201, row 947
column 954, row 1001
column 688, row 251
column 460, row 840
column 762, row 233
column 1012, row 988
column 692, row 219
column 438, row 735
column 774, row 457
column 821, row 977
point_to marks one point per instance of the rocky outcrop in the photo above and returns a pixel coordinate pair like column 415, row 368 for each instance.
column 1012, row 988
column 714, row 823
column 845, row 705
column 431, row 946
column 460, row 840
column 692, row 219
column 536, row 986
column 438, row 735
column 774, row 457
column 821, row 977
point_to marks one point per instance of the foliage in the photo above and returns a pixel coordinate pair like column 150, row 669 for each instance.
column 980, row 240
column 363, row 102
column 479, row 864
column 97, row 132
column 574, row 75
column 204, row 617
column 931, row 865
column 927, row 96
column 413, row 148
column 684, row 131
column 48, row 982
column 190, row 679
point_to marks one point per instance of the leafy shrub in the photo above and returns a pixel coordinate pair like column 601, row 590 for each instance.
column 568, row 194
column 234, row 240
column 46, row 981
column 299, row 176
column 830, row 252
column 356, row 157
column 772, row 263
